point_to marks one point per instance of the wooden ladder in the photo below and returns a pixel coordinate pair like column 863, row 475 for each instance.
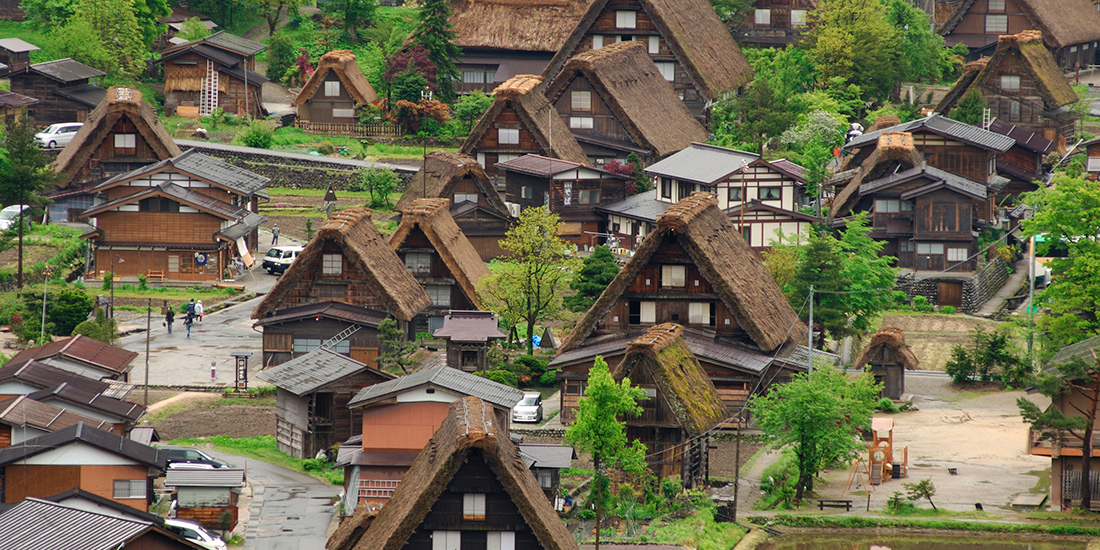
column 208, row 96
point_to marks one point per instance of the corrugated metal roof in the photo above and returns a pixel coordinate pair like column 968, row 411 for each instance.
column 41, row 375
column 40, row 524
column 67, row 70
column 83, row 433
column 145, row 435
column 82, row 349
column 199, row 477
column 95, row 400
column 1024, row 138
column 243, row 227
column 445, row 377
column 547, row 455
column 235, row 43
column 702, row 163
column 88, row 94
column 17, row 45
column 643, row 206
column 203, row 166
column 306, row 373
column 23, row 411
column 12, row 99
column 945, row 126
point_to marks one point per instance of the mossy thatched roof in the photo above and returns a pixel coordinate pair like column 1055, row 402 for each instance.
column 889, row 337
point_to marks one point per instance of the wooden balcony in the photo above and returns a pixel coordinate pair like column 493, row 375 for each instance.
column 1058, row 443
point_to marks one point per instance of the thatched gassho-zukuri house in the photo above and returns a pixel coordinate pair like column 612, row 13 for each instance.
column 521, row 120
column 682, row 405
column 436, row 252
column 616, row 103
column 888, row 357
column 894, row 152
column 334, row 91
column 690, row 45
column 348, row 263
column 469, row 486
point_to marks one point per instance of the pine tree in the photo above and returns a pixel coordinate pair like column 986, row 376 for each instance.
column 598, row 271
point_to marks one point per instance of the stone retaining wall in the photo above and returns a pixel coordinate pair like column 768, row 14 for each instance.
column 977, row 289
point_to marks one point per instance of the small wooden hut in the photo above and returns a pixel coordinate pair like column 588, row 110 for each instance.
column 888, row 357
column 62, row 89
column 208, row 497
column 333, row 92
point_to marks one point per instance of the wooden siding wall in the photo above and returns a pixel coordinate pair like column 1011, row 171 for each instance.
column 5, row 436
column 490, row 146
column 438, row 274
column 467, row 185
column 158, row 228
column 513, row 189
column 763, row 226
column 133, row 261
column 318, row 108
column 106, row 161
column 231, row 94
column 1027, row 100
column 278, row 340
column 606, row 125
column 349, row 287
column 211, row 516
column 401, row 427
column 953, row 156
column 51, row 108
column 973, row 24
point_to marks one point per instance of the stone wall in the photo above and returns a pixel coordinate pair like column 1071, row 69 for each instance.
column 977, row 289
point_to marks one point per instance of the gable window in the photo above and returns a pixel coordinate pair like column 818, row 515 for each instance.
column 673, row 276
column 626, row 19
column 465, row 197
column 129, row 488
column 668, row 70
column 446, row 540
column 666, row 188
column 418, row 262
column 654, row 44
column 597, row 41
column 158, row 204
column 332, row 264
column 343, row 113
column 126, row 141
column 771, row 193
column 798, row 18
column 332, row 88
column 589, row 196
column 935, row 249
column 734, row 194
column 440, row 294
column 581, row 101
column 957, row 254
column 887, row 206
column 505, row 540
column 581, row 122
column 473, row 506
column 996, row 5
column 996, row 23
column 1010, row 82
column 508, row 136
column 763, row 17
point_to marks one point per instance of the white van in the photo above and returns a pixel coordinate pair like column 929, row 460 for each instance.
column 279, row 258
column 57, row 135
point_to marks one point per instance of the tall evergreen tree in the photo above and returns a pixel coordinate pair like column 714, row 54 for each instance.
column 822, row 268
column 435, row 34
column 25, row 172
column 598, row 271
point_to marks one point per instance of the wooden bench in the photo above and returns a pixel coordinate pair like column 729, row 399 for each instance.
column 155, row 274
column 834, row 503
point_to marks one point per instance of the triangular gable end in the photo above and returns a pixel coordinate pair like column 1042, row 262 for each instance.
column 342, row 62
column 445, row 171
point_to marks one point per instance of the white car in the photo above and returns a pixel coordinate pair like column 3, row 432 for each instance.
column 195, row 533
column 57, row 135
column 279, row 258
column 529, row 409
column 9, row 215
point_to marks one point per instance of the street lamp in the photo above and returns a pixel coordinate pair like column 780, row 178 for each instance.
column 47, row 273
column 113, row 264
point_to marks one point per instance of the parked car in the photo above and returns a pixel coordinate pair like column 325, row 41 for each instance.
column 10, row 214
column 529, row 409
column 57, row 135
column 279, row 258
column 195, row 533
column 186, row 457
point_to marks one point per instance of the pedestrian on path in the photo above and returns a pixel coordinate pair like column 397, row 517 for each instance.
column 168, row 318
column 198, row 310
column 274, row 234
column 188, row 321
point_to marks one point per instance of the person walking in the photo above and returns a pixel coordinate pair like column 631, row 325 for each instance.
column 168, row 318
column 274, row 234
column 198, row 310
column 188, row 321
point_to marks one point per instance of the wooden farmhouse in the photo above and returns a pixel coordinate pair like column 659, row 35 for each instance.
column 776, row 23
column 15, row 53
column 469, row 334
column 476, row 206
column 888, row 357
column 121, row 134
column 1023, row 85
column 23, row 418
column 399, row 418
column 443, row 261
column 344, row 283
column 62, row 89
column 572, row 191
column 467, row 488
column 14, row 107
column 81, row 457
column 631, row 219
column 75, row 393
column 81, row 355
column 312, row 395
column 681, row 406
column 761, row 198
column 209, row 74
column 40, row 523
column 181, row 219
column 1071, row 28
column 207, row 496
column 501, row 38
column 546, row 461
column 1065, row 448
column 1024, row 164
column 616, row 102
column 333, row 93
column 520, row 121
column 695, row 270
column 693, row 50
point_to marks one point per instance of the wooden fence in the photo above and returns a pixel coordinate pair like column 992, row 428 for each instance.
column 351, row 129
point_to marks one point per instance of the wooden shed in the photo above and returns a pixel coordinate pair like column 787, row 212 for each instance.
column 207, row 496
column 62, row 89
column 469, row 335
column 333, row 93
column 200, row 77
column 15, row 52
column 888, row 357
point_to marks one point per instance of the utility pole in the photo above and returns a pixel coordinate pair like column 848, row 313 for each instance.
column 737, row 468
column 810, row 336
column 1031, row 302
column 148, row 326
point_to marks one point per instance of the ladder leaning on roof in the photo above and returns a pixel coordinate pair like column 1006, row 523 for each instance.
column 208, row 95
column 343, row 335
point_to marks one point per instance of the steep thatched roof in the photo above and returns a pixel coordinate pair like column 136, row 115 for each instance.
column 120, row 102
column 682, row 381
column 524, row 25
column 522, row 94
column 642, row 100
column 893, row 338
column 341, row 62
column 1035, row 59
column 1063, row 22
column 962, row 85
column 469, row 431
column 724, row 259
column 444, row 171
column 893, row 148
column 367, row 251
column 433, row 218
column 701, row 43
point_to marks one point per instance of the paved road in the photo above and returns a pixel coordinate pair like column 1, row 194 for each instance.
column 290, row 510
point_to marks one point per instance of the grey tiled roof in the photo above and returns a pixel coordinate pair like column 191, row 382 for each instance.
column 83, row 433
column 181, row 194
column 702, row 163
column 196, row 477
column 306, row 373
column 88, row 94
column 243, row 227
column 1082, row 349
column 445, row 377
column 546, row 455
column 203, row 166
column 643, row 206
column 235, row 43
column 67, row 70
column 942, row 125
column 36, row 524
column 953, row 181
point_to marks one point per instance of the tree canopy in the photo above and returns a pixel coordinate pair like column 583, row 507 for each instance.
column 853, row 40
column 595, row 274
column 435, row 34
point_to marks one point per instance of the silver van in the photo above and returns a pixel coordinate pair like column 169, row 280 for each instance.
column 279, row 258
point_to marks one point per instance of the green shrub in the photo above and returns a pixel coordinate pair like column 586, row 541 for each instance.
column 143, row 281
column 326, row 148
column 258, row 134
column 108, row 280
column 529, row 364
column 508, row 378
column 549, row 378
column 886, row 405
column 778, row 482
column 947, row 309
column 379, row 182
column 586, row 514
column 920, row 303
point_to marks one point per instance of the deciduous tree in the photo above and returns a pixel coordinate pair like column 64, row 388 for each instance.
column 194, row 29
column 25, row 171
column 116, row 27
column 852, row 40
column 271, row 10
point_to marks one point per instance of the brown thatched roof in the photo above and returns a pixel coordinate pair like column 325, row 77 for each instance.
column 444, row 171
column 724, row 259
column 367, row 251
column 682, row 381
column 642, row 100
column 1036, row 60
column 522, row 94
column 461, row 258
column 1063, row 22
column 470, row 431
column 120, row 102
column 893, row 148
column 348, row 533
column 525, row 25
column 962, row 85
column 893, row 338
column 341, row 62
column 701, row 43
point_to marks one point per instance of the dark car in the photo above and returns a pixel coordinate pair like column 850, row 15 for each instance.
column 186, row 457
